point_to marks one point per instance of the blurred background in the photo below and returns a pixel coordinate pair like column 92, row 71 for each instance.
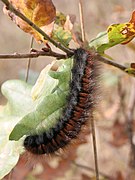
column 114, row 148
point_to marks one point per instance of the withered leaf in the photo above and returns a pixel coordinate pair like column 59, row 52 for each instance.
column 40, row 12
column 132, row 20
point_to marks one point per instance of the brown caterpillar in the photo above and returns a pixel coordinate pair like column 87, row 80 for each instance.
column 80, row 103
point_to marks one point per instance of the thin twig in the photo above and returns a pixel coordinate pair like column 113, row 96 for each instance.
column 109, row 62
column 29, row 61
column 94, row 147
column 122, row 95
column 36, row 53
column 33, row 54
column 82, row 20
column 130, row 119
column 34, row 26
column 91, row 169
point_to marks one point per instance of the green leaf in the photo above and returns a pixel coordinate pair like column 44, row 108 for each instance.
column 100, row 43
column 45, row 83
column 62, row 29
column 19, row 103
column 46, row 107
column 9, row 150
column 18, row 96
column 61, row 35
column 60, row 19
column 115, row 34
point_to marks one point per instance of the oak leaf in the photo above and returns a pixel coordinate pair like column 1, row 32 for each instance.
column 40, row 12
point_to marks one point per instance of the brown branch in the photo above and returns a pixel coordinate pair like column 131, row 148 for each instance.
column 113, row 63
column 34, row 26
column 49, row 52
column 33, row 54
column 109, row 62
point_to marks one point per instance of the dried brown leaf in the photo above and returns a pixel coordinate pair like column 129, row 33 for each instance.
column 132, row 20
column 40, row 12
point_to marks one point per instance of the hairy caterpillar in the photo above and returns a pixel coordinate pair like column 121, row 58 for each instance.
column 80, row 103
